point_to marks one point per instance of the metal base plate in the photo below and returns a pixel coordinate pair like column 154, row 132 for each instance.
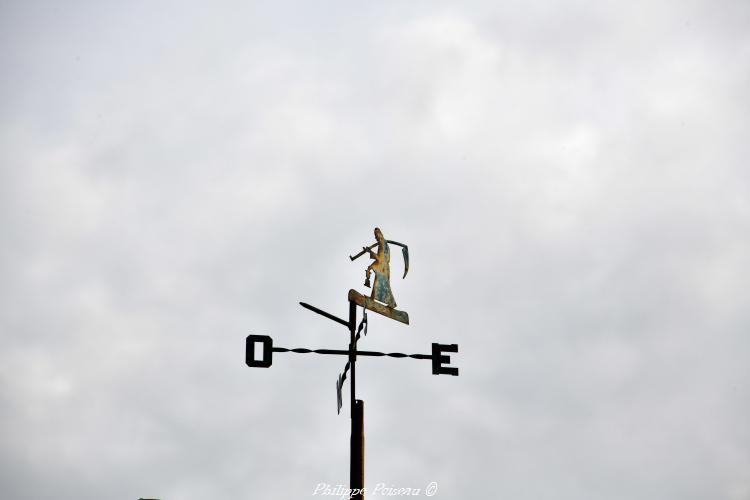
column 375, row 306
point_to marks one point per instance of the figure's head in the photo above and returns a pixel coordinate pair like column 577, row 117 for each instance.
column 378, row 234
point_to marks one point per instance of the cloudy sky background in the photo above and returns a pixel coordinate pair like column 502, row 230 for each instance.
column 571, row 179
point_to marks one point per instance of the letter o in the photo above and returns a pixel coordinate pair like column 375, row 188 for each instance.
column 250, row 343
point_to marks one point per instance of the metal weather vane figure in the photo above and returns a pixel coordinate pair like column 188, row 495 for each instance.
column 259, row 349
column 381, row 288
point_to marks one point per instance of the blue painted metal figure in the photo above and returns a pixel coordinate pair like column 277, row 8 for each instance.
column 381, row 299
column 381, row 288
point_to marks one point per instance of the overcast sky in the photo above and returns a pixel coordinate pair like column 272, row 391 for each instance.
column 572, row 181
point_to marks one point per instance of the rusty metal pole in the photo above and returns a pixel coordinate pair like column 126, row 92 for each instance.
column 358, row 449
column 356, row 443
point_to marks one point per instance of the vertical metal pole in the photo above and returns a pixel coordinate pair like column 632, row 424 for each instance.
column 352, row 349
column 356, row 444
column 358, row 447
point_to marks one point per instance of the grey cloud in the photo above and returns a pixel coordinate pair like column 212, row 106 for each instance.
column 570, row 179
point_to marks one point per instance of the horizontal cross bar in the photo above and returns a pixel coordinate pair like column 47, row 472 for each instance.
column 302, row 350
column 263, row 345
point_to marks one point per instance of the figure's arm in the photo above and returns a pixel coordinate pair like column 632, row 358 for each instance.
column 364, row 251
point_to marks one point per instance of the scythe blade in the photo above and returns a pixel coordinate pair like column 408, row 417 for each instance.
column 405, row 252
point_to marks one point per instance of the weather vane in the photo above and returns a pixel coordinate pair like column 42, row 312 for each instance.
column 259, row 349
